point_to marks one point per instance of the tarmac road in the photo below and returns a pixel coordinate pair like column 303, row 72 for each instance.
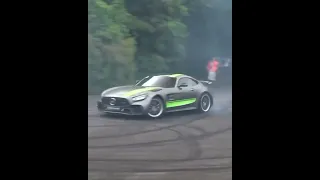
column 184, row 145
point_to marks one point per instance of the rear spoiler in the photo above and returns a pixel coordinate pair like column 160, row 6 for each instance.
column 206, row 82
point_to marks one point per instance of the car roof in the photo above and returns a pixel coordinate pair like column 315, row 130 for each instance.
column 176, row 75
column 171, row 75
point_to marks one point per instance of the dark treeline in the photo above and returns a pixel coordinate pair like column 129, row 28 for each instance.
column 129, row 39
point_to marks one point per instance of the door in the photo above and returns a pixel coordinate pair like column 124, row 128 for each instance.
column 185, row 95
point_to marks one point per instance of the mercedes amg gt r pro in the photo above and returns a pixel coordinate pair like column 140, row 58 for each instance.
column 155, row 95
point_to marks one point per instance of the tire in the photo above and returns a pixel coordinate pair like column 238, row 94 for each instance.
column 205, row 103
column 156, row 108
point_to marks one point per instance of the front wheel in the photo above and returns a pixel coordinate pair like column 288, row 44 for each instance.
column 155, row 108
column 205, row 102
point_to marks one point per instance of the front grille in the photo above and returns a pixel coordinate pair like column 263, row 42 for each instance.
column 119, row 101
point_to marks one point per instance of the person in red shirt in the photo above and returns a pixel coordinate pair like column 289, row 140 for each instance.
column 212, row 68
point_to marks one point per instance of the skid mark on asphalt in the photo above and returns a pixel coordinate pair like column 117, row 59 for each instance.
column 158, row 160
column 223, row 175
column 219, row 168
column 147, row 131
column 202, row 136
column 192, row 145
column 157, row 127
column 123, row 148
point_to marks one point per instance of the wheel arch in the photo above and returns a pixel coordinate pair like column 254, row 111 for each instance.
column 162, row 99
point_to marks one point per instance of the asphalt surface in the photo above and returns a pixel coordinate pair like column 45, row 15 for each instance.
column 184, row 145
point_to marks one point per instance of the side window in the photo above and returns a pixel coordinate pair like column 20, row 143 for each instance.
column 183, row 81
column 192, row 82
column 170, row 83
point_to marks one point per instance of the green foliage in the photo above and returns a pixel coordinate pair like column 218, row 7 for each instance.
column 111, row 49
column 160, row 34
column 128, row 39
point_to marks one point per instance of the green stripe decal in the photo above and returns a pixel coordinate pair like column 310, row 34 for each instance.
column 171, row 104
column 137, row 91
column 175, row 75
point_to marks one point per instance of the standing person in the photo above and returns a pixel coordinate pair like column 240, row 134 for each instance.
column 212, row 69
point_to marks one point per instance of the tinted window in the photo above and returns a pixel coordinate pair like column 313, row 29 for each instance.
column 192, row 82
column 159, row 81
column 188, row 81
column 183, row 81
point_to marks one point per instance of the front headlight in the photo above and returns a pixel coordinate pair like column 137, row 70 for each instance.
column 139, row 98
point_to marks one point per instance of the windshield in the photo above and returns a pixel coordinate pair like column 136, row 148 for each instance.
column 159, row 81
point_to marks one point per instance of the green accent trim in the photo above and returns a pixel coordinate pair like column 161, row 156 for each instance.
column 136, row 91
column 175, row 75
column 181, row 102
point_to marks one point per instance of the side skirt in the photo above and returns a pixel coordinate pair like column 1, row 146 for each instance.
column 181, row 109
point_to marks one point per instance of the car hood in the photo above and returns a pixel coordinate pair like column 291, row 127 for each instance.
column 128, row 91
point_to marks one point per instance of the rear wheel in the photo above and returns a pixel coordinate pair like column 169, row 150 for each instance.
column 205, row 103
column 155, row 108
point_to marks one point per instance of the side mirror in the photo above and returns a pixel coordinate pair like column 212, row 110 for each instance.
column 182, row 85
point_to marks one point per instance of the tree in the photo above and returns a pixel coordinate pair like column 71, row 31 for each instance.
column 111, row 49
column 129, row 39
column 160, row 34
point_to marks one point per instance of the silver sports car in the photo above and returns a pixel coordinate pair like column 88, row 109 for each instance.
column 155, row 95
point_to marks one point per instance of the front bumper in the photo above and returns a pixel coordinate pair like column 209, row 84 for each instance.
column 134, row 109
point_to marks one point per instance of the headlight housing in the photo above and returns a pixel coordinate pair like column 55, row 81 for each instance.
column 140, row 97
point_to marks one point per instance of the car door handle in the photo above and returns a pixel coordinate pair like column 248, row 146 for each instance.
column 192, row 89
